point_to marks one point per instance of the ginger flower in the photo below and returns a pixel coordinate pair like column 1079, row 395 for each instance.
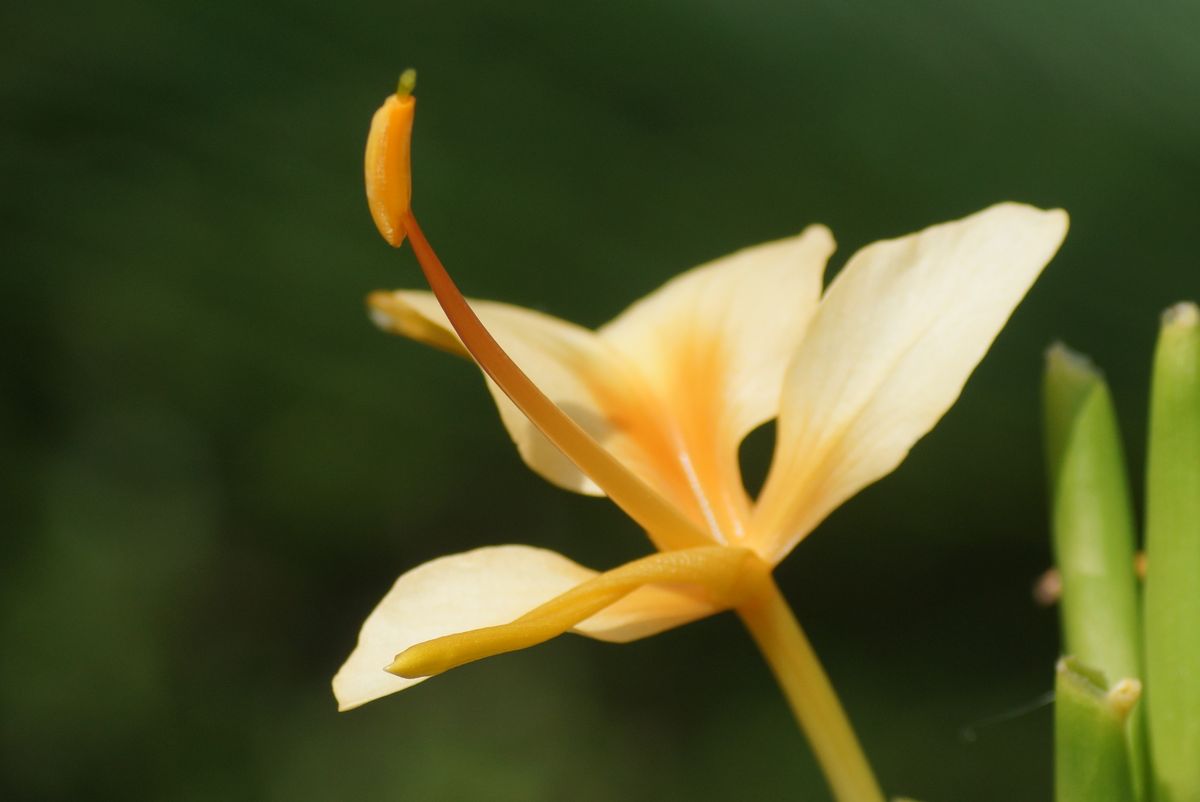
column 650, row 410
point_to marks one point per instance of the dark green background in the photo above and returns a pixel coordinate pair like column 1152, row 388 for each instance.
column 214, row 466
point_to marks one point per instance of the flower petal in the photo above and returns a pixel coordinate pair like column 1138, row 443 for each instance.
column 893, row 342
column 564, row 360
column 671, row 386
column 712, row 345
column 487, row 587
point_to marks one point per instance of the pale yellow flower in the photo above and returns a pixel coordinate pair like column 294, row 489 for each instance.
column 664, row 395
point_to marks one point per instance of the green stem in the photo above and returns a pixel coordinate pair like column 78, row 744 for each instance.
column 1093, row 528
column 1091, row 757
column 809, row 693
column 1172, row 605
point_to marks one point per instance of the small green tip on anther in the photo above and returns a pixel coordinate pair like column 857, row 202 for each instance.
column 407, row 82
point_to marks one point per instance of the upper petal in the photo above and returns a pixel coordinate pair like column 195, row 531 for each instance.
column 712, row 346
column 486, row 587
column 565, row 361
column 671, row 386
column 892, row 344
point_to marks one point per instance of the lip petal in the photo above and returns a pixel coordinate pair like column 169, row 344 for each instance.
column 488, row 587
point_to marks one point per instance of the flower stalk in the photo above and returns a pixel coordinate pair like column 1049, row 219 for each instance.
column 809, row 693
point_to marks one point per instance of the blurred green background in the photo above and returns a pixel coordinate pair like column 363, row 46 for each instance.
column 214, row 466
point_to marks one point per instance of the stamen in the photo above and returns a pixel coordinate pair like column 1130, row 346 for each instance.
column 667, row 526
column 387, row 161
column 728, row 574
column 389, row 193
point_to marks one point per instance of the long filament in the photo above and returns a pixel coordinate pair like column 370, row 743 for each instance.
column 667, row 526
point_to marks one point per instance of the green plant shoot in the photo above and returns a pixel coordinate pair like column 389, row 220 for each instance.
column 1172, row 606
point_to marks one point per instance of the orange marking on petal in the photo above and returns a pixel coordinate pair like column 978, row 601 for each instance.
column 673, row 434
column 668, row 526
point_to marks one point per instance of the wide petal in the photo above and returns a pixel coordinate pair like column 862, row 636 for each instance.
column 487, row 587
column 712, row 345
column 893, row 342
column 567, row 362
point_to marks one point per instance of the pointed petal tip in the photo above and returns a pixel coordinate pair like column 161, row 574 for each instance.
column 1061, row 217
column 822, row 232
column 1055, row 218
column 344, row 700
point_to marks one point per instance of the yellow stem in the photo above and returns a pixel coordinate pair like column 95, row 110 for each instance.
column 809, row 693
column 667, row 526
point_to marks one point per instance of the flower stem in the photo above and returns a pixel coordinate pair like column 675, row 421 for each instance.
column 809, row 693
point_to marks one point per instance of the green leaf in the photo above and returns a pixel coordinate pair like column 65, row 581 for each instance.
column 1172, row 610
column 1092, row 517
column 1092, row 525
column 1091, row 759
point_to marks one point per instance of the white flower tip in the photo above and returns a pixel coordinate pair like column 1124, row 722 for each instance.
column 344, row 702
column 821, row 233
column 1183, row 315
column 1059, row 221
column 1060, row 215
column 1052, row 221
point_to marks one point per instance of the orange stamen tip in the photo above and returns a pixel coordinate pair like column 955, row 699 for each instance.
column 387, row 167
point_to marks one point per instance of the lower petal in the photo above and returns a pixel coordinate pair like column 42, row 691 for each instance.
column 723, row 574
column 488, row 587
column 478, row 588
